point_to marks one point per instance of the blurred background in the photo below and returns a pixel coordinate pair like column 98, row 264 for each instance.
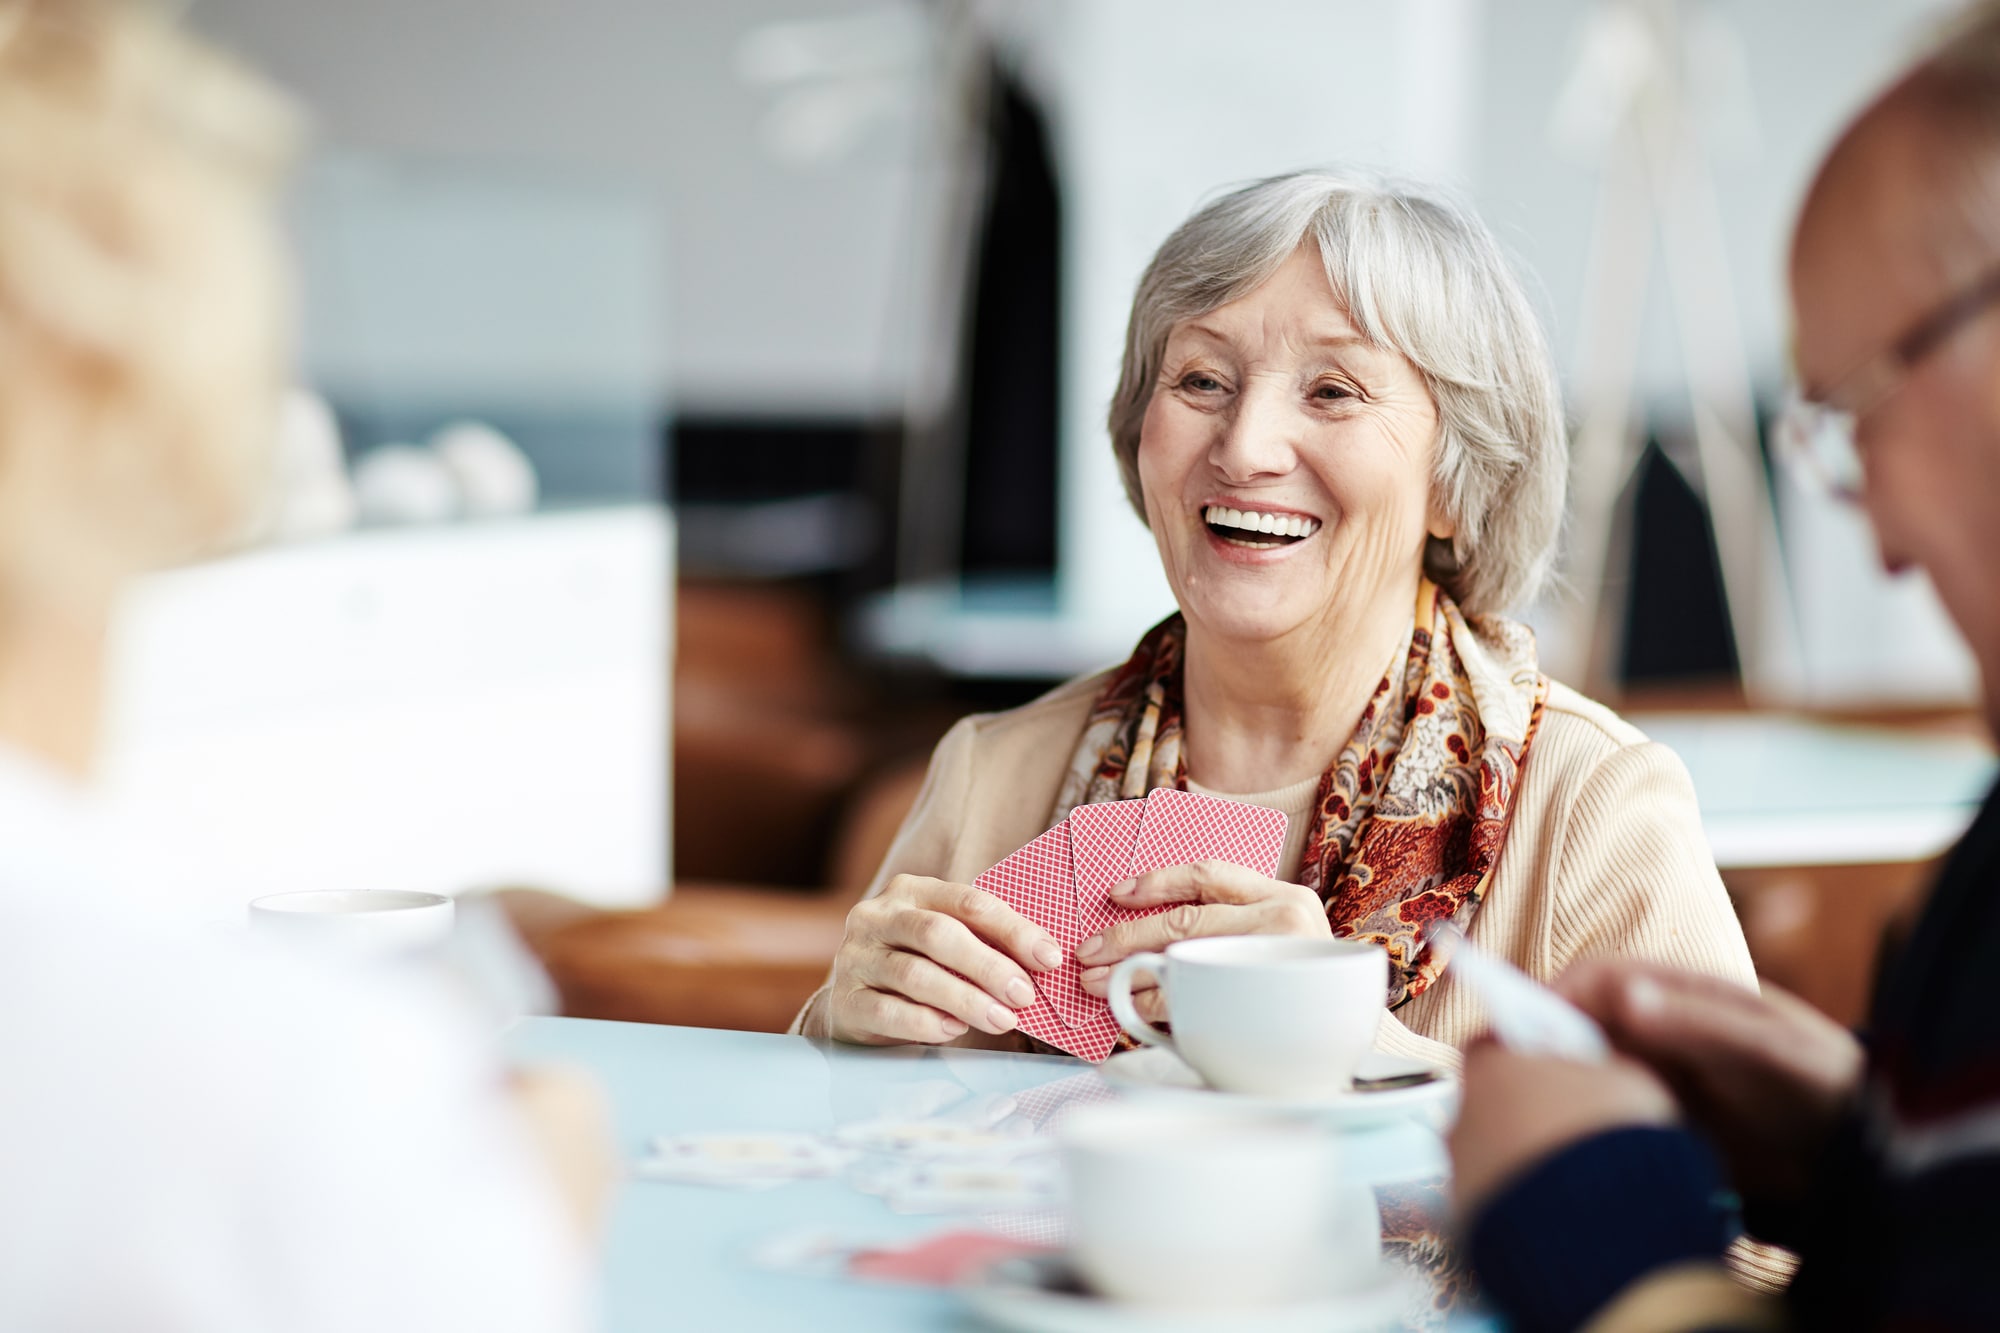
column 706, row 409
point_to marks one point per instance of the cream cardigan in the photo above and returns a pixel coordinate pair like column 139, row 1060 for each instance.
column 1605, row 854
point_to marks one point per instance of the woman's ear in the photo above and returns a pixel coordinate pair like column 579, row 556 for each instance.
column 1440, row 525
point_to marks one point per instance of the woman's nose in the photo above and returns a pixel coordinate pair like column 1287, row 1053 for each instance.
column 1257, row 437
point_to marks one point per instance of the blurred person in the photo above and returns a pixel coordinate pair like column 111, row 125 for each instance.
column 1596, row 1196
column 1340, row 419
column 194, row 1136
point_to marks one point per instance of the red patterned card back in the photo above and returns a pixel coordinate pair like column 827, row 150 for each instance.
column 1183, row 826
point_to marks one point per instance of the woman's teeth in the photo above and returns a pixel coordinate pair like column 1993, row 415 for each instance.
column 1254, row 529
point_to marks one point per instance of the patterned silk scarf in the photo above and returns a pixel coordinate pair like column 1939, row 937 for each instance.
column 1409, row 821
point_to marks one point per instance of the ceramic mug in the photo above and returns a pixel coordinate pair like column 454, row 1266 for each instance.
column 361, row 924
column 1273, row 1015
column 1190, row 1208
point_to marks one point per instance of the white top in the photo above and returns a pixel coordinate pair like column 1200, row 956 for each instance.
column 197, row 1136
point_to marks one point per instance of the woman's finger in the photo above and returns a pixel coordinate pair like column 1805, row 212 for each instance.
column 1198, row 882
column 918, row 978
column 993, row 921
column 1097, row 981
column 1151, row 1004
column 888, row 1018
column 1186, row 922
column 950, row 942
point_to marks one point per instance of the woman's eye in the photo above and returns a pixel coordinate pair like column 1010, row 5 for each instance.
column 1331, row 392
column 1201, row 383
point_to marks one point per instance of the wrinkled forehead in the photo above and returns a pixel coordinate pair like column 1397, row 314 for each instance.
column 1295, row 308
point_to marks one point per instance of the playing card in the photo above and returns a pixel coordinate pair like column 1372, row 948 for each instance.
column 1182, row 826
column 940, row 1139
column 1028, row 1184
column 1526, row 1015
column 741, row 1161
column 1036, row 881
column 1039, row 882
column 942, row 1260
column 1101, row 839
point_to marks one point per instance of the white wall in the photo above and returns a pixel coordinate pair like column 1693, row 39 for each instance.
column 782, row 281
column 442, row 708
column 1810, row 64
column 791, row 289
column 787, row 282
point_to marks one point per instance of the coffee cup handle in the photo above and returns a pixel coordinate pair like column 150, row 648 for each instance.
column 1119, row 992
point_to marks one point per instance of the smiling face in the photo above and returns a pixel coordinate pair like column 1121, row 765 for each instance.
column 1286, row 465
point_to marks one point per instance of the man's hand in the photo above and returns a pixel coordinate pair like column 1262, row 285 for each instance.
column 893, row 976
column 1215, row 898
column 1765, row 1077
column 1518, row 1109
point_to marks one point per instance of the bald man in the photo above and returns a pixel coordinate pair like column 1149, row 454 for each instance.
column 1603, row 1196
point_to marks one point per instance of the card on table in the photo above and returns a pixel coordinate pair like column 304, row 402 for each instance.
column 741, row 1161
column 944, row 1259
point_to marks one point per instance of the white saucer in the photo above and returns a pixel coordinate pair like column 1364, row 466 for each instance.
column 1042, row 1296
column 1156, row 1071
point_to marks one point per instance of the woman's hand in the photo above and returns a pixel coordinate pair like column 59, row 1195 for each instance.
column 1765, row 1077
column 1215, row 898
column 892, row 979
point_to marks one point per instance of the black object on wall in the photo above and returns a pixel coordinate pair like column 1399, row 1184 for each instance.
column 1013, row 350
column 1676, row 620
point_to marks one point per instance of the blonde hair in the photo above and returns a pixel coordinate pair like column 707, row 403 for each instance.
column 1419, row 274
column 143, row 303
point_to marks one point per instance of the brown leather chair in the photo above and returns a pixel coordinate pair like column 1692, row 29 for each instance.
column 714, row 954
column 789, row 785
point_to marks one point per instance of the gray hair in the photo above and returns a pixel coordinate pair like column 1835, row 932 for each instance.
column 1419, row 274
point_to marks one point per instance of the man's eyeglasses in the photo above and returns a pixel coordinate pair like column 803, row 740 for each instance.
column 1819, row 435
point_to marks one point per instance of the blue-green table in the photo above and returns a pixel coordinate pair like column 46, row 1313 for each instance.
column 678, row 1256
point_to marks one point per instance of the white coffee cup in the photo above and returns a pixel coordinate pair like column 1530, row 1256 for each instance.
column 1273, row 1015
column 1172, row 1206
column 360, row 924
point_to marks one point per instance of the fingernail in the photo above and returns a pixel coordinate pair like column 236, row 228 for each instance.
column 1122, row 887
column 1020, row 994
column 1000, row 1017
column 1644, row 996
column 1048, row 955
column 954, row 1028
column 1089, row 946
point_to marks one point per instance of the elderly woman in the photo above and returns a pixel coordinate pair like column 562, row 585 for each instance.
column 1338, row 417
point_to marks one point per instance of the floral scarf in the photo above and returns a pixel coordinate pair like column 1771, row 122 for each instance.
column 1409, row 821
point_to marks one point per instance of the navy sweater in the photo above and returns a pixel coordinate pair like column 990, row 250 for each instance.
column 1902, row 1229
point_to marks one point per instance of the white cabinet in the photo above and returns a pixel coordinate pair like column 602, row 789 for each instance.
column 443, row 708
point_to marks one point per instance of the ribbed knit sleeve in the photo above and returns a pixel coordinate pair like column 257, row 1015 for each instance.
column 1634, row 876
column 1605, row 855
column 923, row 844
